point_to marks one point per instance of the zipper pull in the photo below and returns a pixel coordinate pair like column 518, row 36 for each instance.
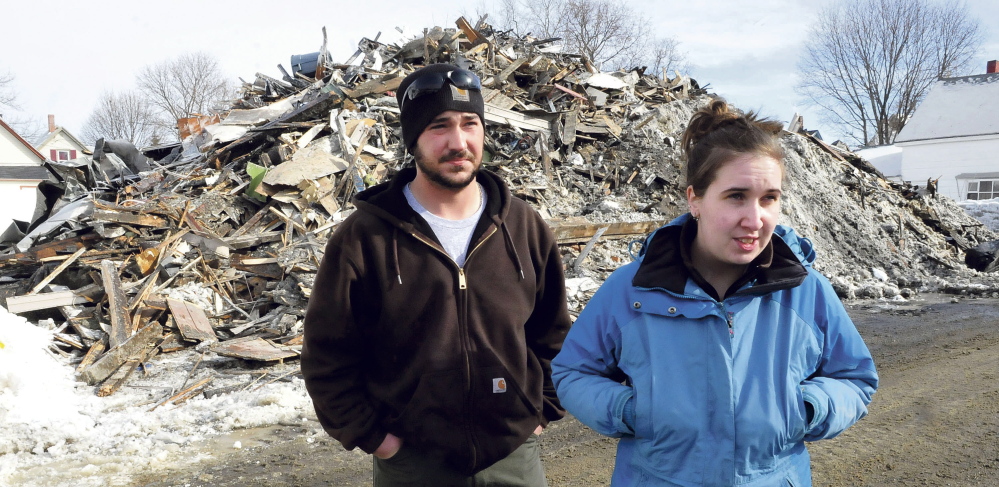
column 462, row 284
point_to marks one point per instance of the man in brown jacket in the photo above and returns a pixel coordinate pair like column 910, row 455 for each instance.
column 438, row 308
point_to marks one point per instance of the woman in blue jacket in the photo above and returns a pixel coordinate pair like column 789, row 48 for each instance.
column 719, row 351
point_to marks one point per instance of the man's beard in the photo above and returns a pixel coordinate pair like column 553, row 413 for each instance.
column 435, row 175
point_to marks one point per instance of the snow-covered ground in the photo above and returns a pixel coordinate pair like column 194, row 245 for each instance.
column 986, row 211
column 54, row 430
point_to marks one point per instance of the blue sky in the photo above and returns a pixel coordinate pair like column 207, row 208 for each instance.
column 65, row 53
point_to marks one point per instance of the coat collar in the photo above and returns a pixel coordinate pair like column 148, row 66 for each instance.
column 666, row 264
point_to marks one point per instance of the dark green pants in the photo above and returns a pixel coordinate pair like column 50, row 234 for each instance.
column 414, row 468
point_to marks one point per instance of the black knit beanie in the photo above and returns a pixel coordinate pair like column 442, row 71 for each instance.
column 418, row 112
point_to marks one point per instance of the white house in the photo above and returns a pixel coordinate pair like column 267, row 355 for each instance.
column 953, row 137
column 60, row 145
column 21, row 171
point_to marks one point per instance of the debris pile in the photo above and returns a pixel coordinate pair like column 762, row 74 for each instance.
column 212, row 244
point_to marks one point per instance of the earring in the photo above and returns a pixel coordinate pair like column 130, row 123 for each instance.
column 696, row 218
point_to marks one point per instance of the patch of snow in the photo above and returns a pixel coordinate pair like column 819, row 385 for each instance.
column 54, row 431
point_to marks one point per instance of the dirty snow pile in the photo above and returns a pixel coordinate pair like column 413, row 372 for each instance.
column 54, row 431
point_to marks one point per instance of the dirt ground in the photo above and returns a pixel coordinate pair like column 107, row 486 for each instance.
column 934, row 421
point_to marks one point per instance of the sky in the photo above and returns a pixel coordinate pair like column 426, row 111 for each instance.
column 65, row 53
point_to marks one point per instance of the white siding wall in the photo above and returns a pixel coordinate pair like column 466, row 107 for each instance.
column 60, row 142
column 933, row 159
column 16, row 202
column 14, row 153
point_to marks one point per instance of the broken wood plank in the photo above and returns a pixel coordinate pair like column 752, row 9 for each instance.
column 95, row 351
column 192, row 321
column 473, row 35
column 374, row 86
column 579, row 233
column 127, row 217
column 499, row 115
column 58, row 270
column 116, row 356
column 501, row 78
column 246, row 241
column 113, row 383
column 68, row 340
column 21, row 304
column 253, row 348
column 497, row 99
column 190, row 391
column 569, row 131
column 121, row 322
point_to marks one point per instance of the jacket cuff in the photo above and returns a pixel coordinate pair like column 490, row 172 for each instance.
column 624, row 413
column 370, row 444
column 820, row 407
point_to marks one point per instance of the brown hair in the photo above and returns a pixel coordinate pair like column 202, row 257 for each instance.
column 717, row 133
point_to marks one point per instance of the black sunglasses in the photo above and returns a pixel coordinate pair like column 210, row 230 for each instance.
column 433, row 82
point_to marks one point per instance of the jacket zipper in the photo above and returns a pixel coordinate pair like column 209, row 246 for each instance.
column 463, row 324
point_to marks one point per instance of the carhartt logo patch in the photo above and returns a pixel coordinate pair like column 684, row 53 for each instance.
column 499, row 385
column 458, row 94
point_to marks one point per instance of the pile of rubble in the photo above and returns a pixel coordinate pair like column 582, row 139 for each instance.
column 213, row 243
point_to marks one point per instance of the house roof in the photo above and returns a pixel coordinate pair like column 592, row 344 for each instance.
column 23, row 173
column 956, row 107
column 51, row 135
column 4, row 126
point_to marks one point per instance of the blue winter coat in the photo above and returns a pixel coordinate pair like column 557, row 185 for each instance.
column 715, row 391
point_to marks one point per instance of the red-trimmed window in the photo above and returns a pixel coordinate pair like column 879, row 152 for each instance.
column 62, row 155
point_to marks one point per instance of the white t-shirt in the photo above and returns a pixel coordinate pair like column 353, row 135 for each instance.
column 454, row 235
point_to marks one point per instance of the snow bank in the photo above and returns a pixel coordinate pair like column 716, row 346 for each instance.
column 54, row 431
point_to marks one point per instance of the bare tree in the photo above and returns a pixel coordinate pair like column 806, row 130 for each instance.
column 660, row 56
column 546, row 18
column 8, row 97
column 127, row 115
column 602, row 30
column 190, row 84
column 29, row 129
column 607, row 32
column 868, row 63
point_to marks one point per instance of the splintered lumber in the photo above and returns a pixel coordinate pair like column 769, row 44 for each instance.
column 505, row 74
column 186, row 393
column 57, row 271
column 192, row 321
column 116, row 356
column 21, row 304
column 121, row 323
column 246, row 241
column 569, row 131
column 579, row 233
column 51, row 249
column 473, row 35
column 127, row 217
column 113, row 383
column 373, row 87
column 499, row 115
column 95, row 351
column 253, row 348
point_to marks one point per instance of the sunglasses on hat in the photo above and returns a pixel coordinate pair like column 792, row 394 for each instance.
column 433, row 82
